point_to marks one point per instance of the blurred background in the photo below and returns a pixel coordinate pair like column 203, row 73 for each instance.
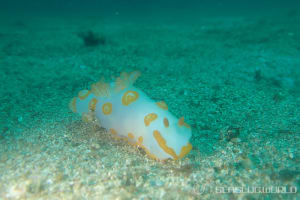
column 150, row 7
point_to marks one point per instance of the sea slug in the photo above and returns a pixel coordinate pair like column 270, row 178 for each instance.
column 128, row 113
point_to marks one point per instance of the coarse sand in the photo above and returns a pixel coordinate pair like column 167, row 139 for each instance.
column 236, row 81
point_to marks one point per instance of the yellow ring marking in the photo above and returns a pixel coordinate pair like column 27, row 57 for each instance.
column 166, row 122
column 83, row 94
column 162, row 105
column 129, row 97
column 107, row 108
column 162, row 143
column 92, row 104
column 181, row 122
column 149, row 118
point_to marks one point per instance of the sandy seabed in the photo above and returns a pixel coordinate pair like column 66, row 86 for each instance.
column 236, row 81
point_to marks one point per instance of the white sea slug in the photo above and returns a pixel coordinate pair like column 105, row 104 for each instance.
column 128, row 113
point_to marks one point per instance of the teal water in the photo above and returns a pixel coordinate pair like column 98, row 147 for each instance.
column 231, row 68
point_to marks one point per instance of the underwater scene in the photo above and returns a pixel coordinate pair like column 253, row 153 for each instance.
column 150, row 100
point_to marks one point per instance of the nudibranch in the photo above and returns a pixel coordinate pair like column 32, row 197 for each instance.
column 128, row 113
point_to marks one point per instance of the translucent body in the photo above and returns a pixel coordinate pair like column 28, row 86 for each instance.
column 130, row 114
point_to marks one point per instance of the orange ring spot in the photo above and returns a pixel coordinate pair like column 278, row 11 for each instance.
column 107, row 108
column 149, row 118
column 72, row 105
column 185, row 150
column 129, row 97
column 92, row 104
column 130, row 135
column 162, row 143
column 83, row 94
column 166, row 122
column 181, row 122
column 162, row 105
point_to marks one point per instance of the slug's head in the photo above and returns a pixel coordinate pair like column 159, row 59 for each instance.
column 173, row 135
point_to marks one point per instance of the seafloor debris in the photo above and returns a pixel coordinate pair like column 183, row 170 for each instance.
column 90, row 38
